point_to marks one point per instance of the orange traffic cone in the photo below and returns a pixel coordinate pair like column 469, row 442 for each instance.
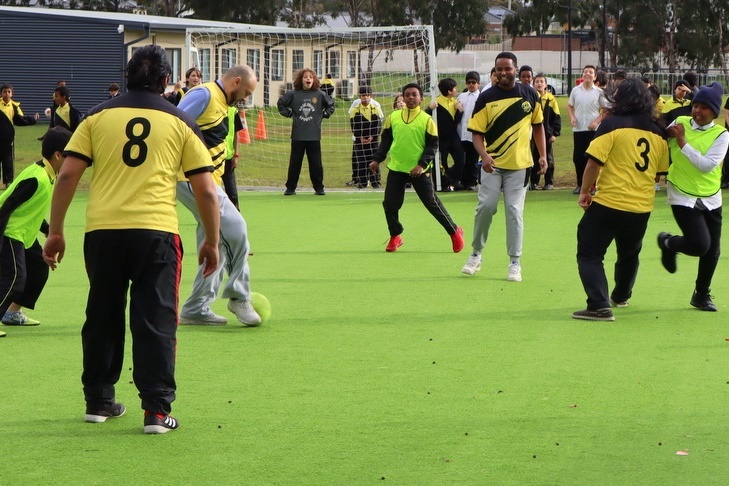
column 243, row 135
column 261, row 126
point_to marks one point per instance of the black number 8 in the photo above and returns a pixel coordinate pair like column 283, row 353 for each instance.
column 643, row 154
column 136, row 141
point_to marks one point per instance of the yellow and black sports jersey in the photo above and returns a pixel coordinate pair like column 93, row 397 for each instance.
column 505, row 119
column 631, row 150
column 674, row 108
column 140, row 141
column 365, row 121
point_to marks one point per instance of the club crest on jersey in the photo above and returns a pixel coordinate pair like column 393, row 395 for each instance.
column 526, row 106
column 306, row 110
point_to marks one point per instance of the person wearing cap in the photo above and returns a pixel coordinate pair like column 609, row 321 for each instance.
column 467, row 99
column 679, row 104
column 697, row 146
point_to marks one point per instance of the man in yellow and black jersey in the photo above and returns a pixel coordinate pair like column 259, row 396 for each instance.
column 624, row 159
column 136, row 143
column 208, row 104
column 11, row 115
column 65, row 115
column 679, row 104
column 365, row 119
column 504, row 118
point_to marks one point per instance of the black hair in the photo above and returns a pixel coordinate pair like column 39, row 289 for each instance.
column 148, row 69
column 526, row 67
column 445, row 85
column 601, row 77
column 621, row 74
column 6, row 86
column 692, row 78
column 54, row 140
column 63, row 91
column 473, row 76
column 646, row 79
column 412, row 85
column 364, row 89
column 632, row 98
column 506, row 55
column 654, row 91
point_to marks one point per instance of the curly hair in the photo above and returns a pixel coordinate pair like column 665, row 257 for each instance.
column 299, row 79
column 632, row 98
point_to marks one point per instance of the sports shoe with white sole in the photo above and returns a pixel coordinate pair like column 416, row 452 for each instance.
column 211, row 319
column 244, row 312
column 97, row 415
column 514, row 274
column 473, row 265
column 156, row 423
column 18, row 319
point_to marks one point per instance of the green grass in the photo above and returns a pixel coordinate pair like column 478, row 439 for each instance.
column 380, row 368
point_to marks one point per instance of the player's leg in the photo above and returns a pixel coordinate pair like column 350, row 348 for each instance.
column 316, row 169
column 426, row 192
column 514, row 188
column 628, row 244
column 393, row 201
column 488, row 202
column 709, row 260
column 296, row 158
column 595, row 232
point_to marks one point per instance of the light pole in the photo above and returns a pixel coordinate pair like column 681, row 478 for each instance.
column 569, row 47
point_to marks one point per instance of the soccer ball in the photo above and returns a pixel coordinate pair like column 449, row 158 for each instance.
column 261, row 305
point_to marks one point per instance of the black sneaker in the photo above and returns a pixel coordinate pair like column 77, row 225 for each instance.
column 702, row 301
column 159, row 424
column 98, row 415
column 668, row 256
column 289, row 192
column 605, row 314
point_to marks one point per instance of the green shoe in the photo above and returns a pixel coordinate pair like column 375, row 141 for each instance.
column 18, row 319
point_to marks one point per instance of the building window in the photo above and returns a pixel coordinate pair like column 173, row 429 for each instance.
column 351, row 64
column 205, row 64
column 277, row 64
column 228, row 59
column 297, row 59
column 334, row 63
column 174, row 57
column 318, row 64
column 253, row 59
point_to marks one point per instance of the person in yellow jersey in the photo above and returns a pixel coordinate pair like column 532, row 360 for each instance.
column 410, row 137
column 208, row 104
column 624, row 159
column 65, row 115
column 136, row 144
column 23, row 207
column 11, row 115
column 697, row 145
column 503, row 119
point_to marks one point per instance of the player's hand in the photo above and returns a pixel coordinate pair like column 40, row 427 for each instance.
column 374, row 167
column 552, row 139
column 543, row 165
column 234, row 162
column 53, row 250
column 584, row 200
column 417, row 171
column 488, row 165
column 208, row 258
column 675, row 131
column 573, row 122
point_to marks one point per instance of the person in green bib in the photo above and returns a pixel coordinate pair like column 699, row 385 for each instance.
column 23, row 207
column 410, row 137
column 697, row 146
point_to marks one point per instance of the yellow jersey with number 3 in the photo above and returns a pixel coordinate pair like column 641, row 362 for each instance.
column 631, row 151
column 136, row 144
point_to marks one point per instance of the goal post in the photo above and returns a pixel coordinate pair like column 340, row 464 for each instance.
column 382, row 58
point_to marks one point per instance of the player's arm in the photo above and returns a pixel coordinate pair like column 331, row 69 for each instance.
column 195, row 102
column 284, row 104
column 65, row 188
column 206, row 198
column 386, row 140
column 540, row 140
column 589, row 177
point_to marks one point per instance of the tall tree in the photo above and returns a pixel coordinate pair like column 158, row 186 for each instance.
column 254, row 12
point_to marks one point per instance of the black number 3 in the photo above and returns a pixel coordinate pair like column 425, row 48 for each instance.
column 136, row 141
column 644, row 154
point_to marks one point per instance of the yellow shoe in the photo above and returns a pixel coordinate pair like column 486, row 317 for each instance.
column 18, row 319
column 3, row 334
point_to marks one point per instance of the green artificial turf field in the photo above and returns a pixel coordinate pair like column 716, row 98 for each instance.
column 380, row 368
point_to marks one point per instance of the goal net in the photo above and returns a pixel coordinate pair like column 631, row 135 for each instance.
column 382, row 58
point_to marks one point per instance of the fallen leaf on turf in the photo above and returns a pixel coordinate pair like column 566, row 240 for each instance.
column 574, row 405
column 682, row 453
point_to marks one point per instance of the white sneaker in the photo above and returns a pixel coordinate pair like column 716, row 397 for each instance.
column 473, row 265
column 514, row 272
column 244, row 312
column 211, row 319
